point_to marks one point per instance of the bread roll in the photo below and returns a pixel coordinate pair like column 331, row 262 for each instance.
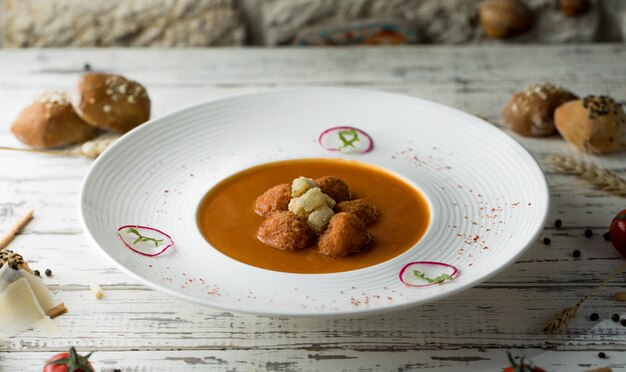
column 595, row 124
column 504, row 18
column 111, row 102
column 573, row 8
column 50, row 121
column 530, row 112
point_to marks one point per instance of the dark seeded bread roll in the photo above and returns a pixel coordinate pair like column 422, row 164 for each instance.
column 595, row 124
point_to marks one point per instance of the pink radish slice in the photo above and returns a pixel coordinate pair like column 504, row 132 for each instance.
column 427, row 273
column 144, row 240
column 347, row 140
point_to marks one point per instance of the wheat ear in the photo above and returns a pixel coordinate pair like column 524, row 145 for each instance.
column 562, row 319
column 603, row 179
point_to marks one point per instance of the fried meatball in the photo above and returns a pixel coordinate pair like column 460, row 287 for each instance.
column 359, row 207
column 285, row 231
column 345, row 234
column 334, row 187
column 275, row 199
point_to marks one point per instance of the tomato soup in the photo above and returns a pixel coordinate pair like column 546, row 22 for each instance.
column 227, row 220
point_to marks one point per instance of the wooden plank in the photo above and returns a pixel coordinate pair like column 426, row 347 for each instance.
column 138, row 329
column 312, row 359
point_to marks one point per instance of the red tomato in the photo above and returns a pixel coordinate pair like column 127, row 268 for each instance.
column 68, row 362
column 618, row 232
column 520, row 366
column 524, row 368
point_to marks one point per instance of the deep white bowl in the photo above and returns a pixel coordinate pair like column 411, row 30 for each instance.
column 489, row 198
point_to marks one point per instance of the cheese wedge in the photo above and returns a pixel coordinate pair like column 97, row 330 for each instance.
column 24, row 300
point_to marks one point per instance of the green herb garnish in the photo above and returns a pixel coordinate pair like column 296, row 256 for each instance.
column 141, row 238
column 439, row 279
column 348, row 142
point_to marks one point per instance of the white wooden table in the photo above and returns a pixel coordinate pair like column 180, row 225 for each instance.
column 135, row 328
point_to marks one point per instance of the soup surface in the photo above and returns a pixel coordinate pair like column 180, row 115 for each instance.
column 227, row 220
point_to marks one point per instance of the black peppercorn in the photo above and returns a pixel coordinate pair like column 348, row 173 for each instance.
column 607, row 236
column 37, row 273
column 623, row 322
column 547, row 241
column 558, row 223
column 48, row 272
column 594, row 316
column 615, row 317
column 588, row 233
column 576, row 253
column 601, row 355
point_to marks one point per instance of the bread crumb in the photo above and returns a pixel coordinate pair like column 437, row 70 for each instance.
column 309, row 201
column 96, row 290
column 319, row 218
column 301, row 185
column 57, row 310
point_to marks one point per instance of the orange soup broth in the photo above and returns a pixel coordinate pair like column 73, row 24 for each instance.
column 227, row 220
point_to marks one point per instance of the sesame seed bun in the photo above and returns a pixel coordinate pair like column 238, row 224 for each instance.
column 504, row 18
column 111, row 102
column 50, row 121
column 530, row 112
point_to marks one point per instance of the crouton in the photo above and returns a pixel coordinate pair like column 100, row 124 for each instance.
column 301, row 185
column 319, row 218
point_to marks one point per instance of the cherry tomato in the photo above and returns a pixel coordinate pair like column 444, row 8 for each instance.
column 618, row 232
column 524, row 368
column 520, row 366
column 68, row 362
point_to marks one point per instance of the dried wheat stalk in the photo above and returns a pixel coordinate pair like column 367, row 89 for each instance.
column 90, row 149
column 601, row 178
column 562, row 319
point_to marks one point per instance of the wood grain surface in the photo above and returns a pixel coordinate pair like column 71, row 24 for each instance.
column 137, row 329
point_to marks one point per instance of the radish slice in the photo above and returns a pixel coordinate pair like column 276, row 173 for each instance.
column 144, row 240
column 427, row 273
column 347, row 140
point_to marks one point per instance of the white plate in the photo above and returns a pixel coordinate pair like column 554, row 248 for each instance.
column 489, row 198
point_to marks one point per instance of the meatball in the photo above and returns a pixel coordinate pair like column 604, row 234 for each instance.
column 345, row 234
column 275, row 199
column 334, row 187
column 285, row 231
column 361, row 208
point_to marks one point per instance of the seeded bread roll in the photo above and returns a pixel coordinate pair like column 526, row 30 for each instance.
column 111, row 102
column 595, row 124
column 50, row 121
column 530, row 112
column 504, row 18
